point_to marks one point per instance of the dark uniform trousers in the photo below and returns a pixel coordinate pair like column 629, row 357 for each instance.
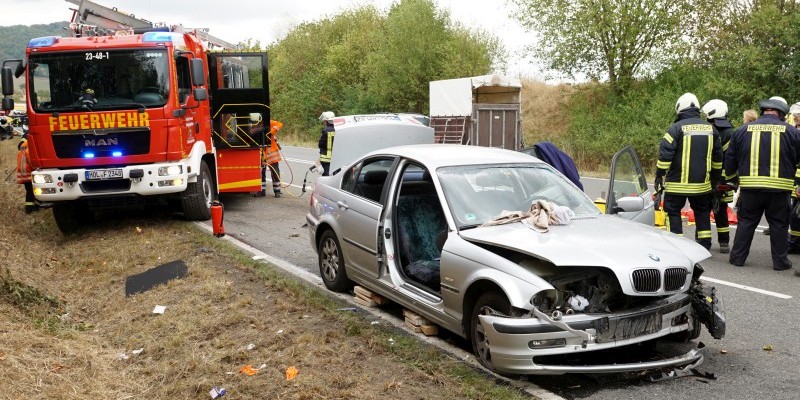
column 721, row 220
column 775, row 206
column 794, row 229
column 701, row 205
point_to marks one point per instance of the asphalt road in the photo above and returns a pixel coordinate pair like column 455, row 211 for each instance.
column 761, row 304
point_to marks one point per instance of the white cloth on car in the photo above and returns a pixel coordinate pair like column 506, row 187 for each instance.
column 539, row 217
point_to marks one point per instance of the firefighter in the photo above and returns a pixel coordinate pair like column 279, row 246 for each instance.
column 689, row 165
column 87, row 98
column 763, row 155
column 24, row 174
column 717, row 114
column 326, row 141
column 794, row 223
column 271, row 156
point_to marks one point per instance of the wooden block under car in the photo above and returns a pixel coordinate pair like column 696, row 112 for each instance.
column 366, row 294
column 414, row 318
column 429, row 329
column 365, row 302
column 413, row 327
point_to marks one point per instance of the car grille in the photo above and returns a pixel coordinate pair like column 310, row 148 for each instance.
column 674, row 278
column 646, row 280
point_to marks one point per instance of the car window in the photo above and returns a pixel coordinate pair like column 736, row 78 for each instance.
column 368, row 178
column 477, row 194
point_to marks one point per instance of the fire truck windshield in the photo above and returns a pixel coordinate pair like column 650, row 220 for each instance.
column 96, row 79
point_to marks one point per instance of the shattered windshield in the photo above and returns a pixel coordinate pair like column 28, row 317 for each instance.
column 476, row 194
column 99, row 80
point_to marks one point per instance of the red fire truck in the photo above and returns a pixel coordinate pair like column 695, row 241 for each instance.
column 126, row 113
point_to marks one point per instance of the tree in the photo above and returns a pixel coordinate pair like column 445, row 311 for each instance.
column 612, row 39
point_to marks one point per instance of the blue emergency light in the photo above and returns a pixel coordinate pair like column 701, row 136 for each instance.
column 88, row 155
column 45, row 41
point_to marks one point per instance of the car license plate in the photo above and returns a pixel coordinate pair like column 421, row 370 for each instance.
column 641, row 324
column 99, row 174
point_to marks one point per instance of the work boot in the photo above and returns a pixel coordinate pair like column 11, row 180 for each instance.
column 783, row 267
column 277, row 193
column 260, row 194
column 724, row 248
column 794, row 249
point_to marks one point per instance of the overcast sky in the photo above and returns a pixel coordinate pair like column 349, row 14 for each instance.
column 268, row 20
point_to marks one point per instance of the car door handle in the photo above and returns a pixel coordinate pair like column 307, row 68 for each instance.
column 387, row 233
column 342, row 205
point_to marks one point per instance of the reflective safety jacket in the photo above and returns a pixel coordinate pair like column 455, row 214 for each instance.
column 690, row 155
column 272, row 153
column 764, row 154
column 23, row 162
column 725, row 131
column 326, row 143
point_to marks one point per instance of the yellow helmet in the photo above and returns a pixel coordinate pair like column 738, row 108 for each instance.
column 89, row 91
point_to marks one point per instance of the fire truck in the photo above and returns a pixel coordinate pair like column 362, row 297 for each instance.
column 124, row 113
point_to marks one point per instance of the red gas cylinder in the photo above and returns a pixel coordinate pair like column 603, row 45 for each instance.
column 217, row 211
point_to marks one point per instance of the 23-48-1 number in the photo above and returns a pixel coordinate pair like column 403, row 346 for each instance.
column 100, row 55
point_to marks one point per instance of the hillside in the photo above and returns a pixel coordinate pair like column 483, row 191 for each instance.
column 16, row 37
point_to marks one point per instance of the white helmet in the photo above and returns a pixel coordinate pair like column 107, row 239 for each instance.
column 781, row 99
column 255, row 118
column 327, row 116
column 688, row 100
column 795, row 108
column 715, row 109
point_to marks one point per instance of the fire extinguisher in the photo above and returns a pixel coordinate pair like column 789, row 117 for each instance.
column 217, row 211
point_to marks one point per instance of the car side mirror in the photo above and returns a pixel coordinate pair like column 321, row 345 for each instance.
column 629, row 204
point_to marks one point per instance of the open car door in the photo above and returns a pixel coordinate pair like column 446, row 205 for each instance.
column 628, row 193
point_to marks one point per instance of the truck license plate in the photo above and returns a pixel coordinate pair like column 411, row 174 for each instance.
column 98, row 174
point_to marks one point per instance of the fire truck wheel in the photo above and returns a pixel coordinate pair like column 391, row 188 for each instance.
column 71, row 216
column 196, row 201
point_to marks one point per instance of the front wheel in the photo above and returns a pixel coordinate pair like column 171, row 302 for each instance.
column 492, row 303
column 71, row 216
column 196, row 200
column 331, row 263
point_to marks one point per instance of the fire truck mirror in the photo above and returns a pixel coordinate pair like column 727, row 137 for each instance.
column 198, row 75
column 8, row 104
column 20, row 68
column 200, row 94
column 7, row 82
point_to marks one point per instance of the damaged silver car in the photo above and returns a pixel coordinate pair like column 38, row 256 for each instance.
column 419, row 225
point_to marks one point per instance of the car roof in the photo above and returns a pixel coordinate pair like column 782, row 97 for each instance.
column 441, row 155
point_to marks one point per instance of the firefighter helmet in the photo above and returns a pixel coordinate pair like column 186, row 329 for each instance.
column 327, row 116
column 795, row 108
column 774, row 103
column 255, row 118
column 89, row 91
column 715, row 109
column 687, row 100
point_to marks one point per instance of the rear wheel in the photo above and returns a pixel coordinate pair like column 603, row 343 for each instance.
column 196, row 201
column 331, row 263
column 71, row 216
column 492, row 303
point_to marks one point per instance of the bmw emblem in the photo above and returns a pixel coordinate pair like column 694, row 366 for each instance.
column 654, row 257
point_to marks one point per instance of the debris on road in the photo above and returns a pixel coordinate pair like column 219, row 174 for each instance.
column 291, row 373
column 217, row 392
column 159, row 309
column 767, row 347
column 155, row 276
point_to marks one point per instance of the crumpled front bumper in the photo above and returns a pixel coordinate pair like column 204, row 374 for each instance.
column 512, row 350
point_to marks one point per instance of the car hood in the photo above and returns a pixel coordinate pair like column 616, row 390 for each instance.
column 600, row 240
